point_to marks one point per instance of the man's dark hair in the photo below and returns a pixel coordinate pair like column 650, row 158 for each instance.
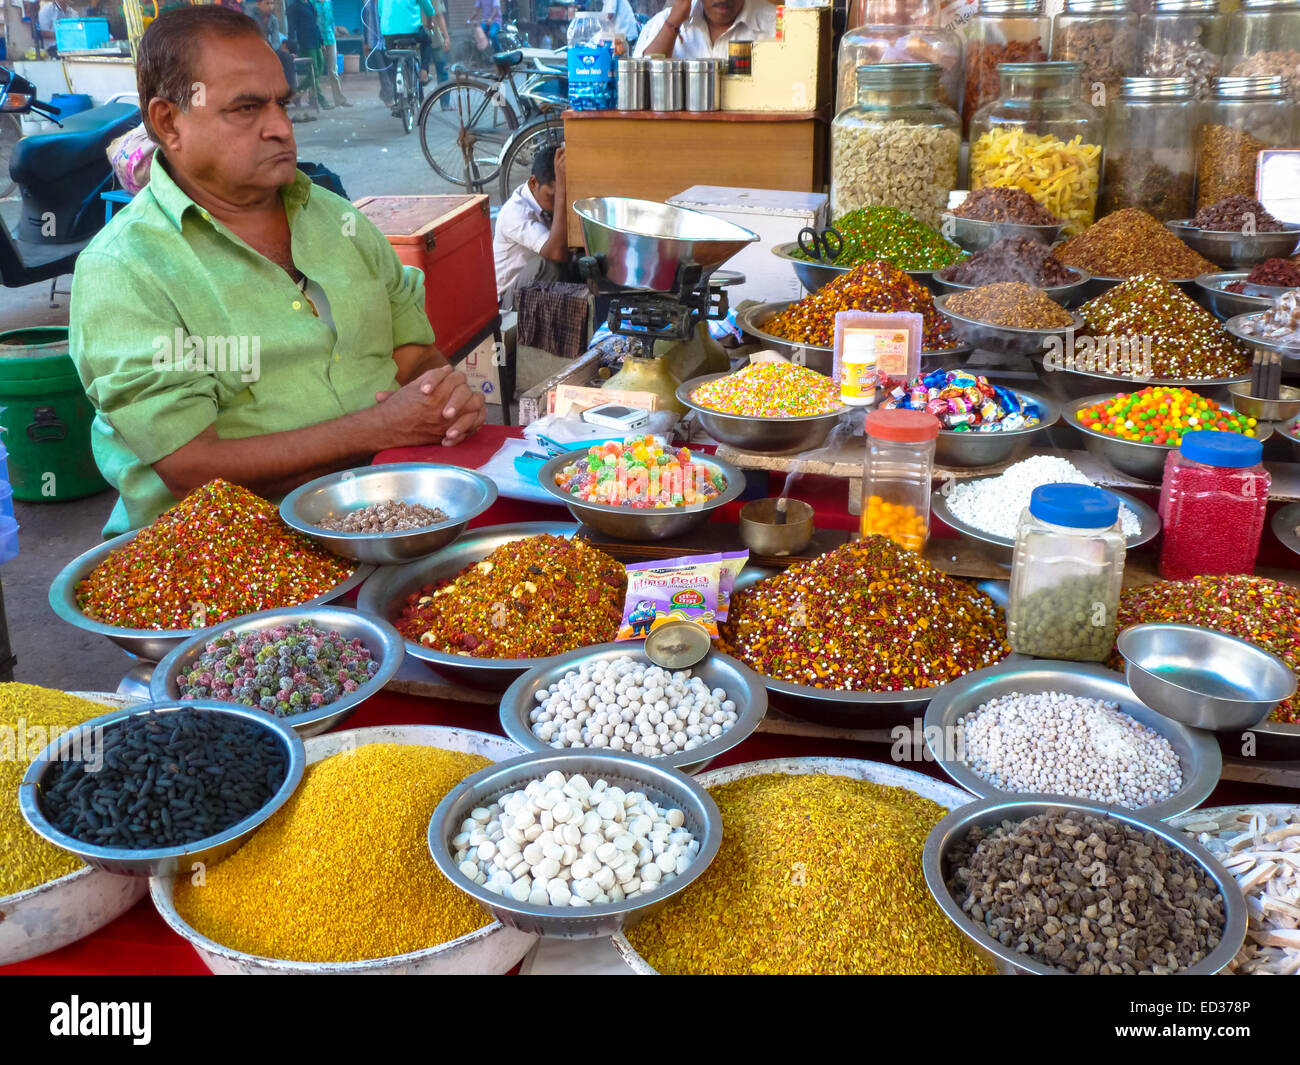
column 544, row 164
column 166, row 60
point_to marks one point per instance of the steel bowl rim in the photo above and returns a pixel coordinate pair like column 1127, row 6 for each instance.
column 1026, row 805
column 1071, row 417
column 747, row 319
column 1126, row 637
column 513, row 708
column 941, row 305
column 783, row 251
column 735, row 486
column 40, row 824
column 1083, row 277
column 1186, row 223
column 582, row 208
column 1216, row 280
column 1200, row 772
column 685, row 389
column 1058, row 226
column 1233, row 326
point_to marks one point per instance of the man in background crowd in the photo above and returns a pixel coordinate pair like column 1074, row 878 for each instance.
column 330, row 50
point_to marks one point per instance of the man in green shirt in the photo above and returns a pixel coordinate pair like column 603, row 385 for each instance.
column 234, row 320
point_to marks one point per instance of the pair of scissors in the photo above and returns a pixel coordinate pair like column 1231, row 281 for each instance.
column 824, row 246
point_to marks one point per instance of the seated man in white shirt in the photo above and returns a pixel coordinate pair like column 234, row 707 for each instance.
column 702, row 29
column 532, row 237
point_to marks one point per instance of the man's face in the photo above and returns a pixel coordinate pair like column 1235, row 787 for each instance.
column 543, row 194
column 236, row 138
column 722, row 12
column 265, row 6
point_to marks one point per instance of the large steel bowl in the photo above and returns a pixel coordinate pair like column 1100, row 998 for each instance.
column 974, row 234
column 379, row 637
column 664, row 786
column 814, row 274
column 152, row 645
column 975, row 450
column 1066, row 295
column 1290, row 353
column 384, row 596
column 1003, row 340
column 1234, row 249
column 1198, row 753
column 762, row 436
column 641, row 243
column 459, row 493
column 639, row 524
column 741, row 684
column 490, row 950
column 1001, row 549
column 156, row 861
column 877, row 772
column 935, row 860
column 1224, row 304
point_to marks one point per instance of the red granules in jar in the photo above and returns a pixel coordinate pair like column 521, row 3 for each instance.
column 1212, row 503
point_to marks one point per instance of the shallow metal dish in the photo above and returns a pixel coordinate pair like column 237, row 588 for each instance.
column 986, row 812
column 1203, row 677
column 974, row 234
column 1290, row 353
column 1066, row 295
column 1282, row 409
column 664, row 786
column 492, row 949
column 974, row 450
column 1198, row 753
column 1233, row 249
column 379, row 637
column 1003, row 340
column 1224, row 304
column 460, row 494
column 814, row 275
column 640, row 524
column 160, row 860
column 762, row 436
column 741, row 684
column 1000, row 549
column 384, row 596
column 149, row 644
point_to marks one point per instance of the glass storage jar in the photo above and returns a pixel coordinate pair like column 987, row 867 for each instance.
column 900, row 31
column 898, row 146
column 1041, row 136
column 1264, row 38
column 1101, row 36
column 1002, row 31
column 1150, row 148
column 896, row 475
column 1212, row 503
column 1243, row 116
column 1066, row 574
column 1184, row 39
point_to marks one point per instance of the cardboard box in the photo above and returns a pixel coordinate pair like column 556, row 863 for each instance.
column 481, row 370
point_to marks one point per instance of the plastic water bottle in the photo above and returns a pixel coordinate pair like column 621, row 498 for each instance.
column 591, row 61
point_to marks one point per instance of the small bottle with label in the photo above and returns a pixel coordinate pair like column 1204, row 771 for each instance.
column 857, row 362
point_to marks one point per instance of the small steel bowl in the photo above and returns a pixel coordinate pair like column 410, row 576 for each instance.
column 1198, row 753
column 1282, row 409
column 1202, row 677
column 490, row 950
column 985, row 813
column 159, row 861
column 1000, row 549
column 975, row 450
column 1233, row 249
column 460, row 494
column 384, row 595
column 664, row 786
column 379, row 637
column 741, row 684
column 151, row 645
column 1290, row 353
column 1224, row 304
column 1066, row 295
column 760, row 532
column 814, row 275
column 974, row 234
column 1003, row 340
column 634, row 523
column 762, row 436
column 1287, row 430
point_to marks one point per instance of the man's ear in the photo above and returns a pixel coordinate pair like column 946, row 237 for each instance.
column 162, row 118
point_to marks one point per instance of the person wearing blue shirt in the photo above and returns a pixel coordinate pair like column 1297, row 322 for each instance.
column 408, row 19
column 329, row 50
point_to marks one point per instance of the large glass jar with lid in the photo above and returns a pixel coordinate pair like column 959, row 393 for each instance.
column 1002, row 31
column 1102, row 37
column 899, row 31
column 1264, row 38
column 1043, row 137
column 1244, row 116
column 898, row 146
column 1184, row 39
column 1150, row 148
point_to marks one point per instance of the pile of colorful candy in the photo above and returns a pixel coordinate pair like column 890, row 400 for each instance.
column 771, row 390
column 964, row 403
column 1161, row 415
column 892, row 236
column 640, row 473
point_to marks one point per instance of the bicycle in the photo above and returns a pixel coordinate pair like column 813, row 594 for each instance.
column 11, row 132
column 517, row 163
column 408, row 90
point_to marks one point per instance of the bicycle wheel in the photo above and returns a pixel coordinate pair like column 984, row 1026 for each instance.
column 465, row 126
column 11, row 132
column 410, row 99
column 524, row 146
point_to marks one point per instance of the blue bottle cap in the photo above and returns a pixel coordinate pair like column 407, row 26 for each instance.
column 1077, row 506
column 1213, row 447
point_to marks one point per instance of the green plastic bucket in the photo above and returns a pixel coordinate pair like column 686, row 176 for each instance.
column 46, row 417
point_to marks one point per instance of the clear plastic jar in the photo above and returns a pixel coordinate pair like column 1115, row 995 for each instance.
column 1150, row 148
column 900, row 31
column 1212, row 503
column 1102, row 37
column 1066, row 574
column 1244, row 116
column 1041, row 136
column 1184, row 39
column 1002, row 31
column 898, row 146
column 896, row 475
column 1264, row 38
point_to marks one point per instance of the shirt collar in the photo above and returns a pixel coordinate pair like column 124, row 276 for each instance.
column 746, row 18
column 174, row 202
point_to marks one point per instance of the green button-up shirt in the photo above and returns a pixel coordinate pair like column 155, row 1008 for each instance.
column 164, row 271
